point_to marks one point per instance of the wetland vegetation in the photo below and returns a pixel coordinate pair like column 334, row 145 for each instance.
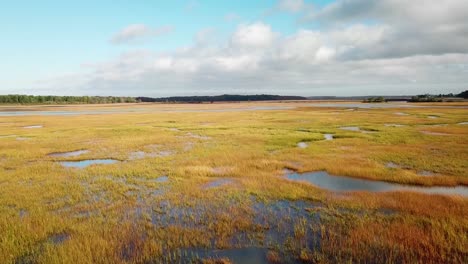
column 208, row 186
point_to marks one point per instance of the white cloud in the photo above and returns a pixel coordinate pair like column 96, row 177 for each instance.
column 236, row 63
column 301, row 46
column 411, row 27
column 257, row 35
column 364, row 47
column 138, row 32
column 324, row 54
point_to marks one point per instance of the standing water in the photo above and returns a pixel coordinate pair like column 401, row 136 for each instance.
column 345, row 184
column 85, row 163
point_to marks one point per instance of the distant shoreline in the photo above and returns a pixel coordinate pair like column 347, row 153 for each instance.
column 225, row 98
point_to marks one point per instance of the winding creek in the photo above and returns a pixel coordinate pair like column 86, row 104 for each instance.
column 347, row 184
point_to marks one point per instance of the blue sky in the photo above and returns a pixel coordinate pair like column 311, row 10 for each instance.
column 67, row 47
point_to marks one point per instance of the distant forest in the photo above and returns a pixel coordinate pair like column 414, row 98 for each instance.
column 220, row 98
column 437, row 98
column 50, row 99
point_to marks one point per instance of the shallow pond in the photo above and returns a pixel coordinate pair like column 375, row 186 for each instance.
column 435, row 133
column 401, row 114
column 341, row 183
column 33, row 126
column 218, row 183
column 162, row 179
column 394, row 125
column 356, row 129
column 328, row 136
column 86, row 163
column 302, row 145
column 59, row 238
column 426, row 173
column 68, row 154
column 136, row 155
column 250, row 255
column 392, row 165
column 351, row 128
column 274, row 223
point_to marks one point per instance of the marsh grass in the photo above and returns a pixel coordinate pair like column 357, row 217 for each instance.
column 121, row 213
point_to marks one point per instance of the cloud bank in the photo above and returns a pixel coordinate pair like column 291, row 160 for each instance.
column 360, row 47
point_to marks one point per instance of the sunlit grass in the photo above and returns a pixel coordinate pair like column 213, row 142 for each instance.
column 110, row 213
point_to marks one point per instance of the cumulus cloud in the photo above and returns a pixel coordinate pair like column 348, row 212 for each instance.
column 411, row 27
column 419, row 12
column 257, row 35
column 139, row 32
column 363, row 47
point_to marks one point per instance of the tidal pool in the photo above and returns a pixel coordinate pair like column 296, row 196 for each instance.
column 217, row 183
column 68, row 154
column 425, row 173
column 33, row 126
column 394, row 125
column 162, row 179
column 351, row 128
column 275, row 223
column 345, row 184
column 249, row 255
column 401, row 114
column 59, row 238
column 357, row 129
column 328, row 136
column 136, row 155
column 86, row 163
column 392, row 165
column 435, row 133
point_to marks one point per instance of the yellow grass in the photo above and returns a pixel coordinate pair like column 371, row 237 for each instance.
column 95, row 208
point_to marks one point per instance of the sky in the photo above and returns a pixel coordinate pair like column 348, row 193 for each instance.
column 211, row 47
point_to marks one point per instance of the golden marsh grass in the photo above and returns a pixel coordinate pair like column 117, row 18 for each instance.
column 122, row 213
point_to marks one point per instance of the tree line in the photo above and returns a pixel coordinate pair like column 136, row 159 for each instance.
column 437, row 98
column 220, row 98
column 51, row 99
column 379, row 99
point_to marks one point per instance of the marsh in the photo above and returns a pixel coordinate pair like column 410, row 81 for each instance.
column 192, row 182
